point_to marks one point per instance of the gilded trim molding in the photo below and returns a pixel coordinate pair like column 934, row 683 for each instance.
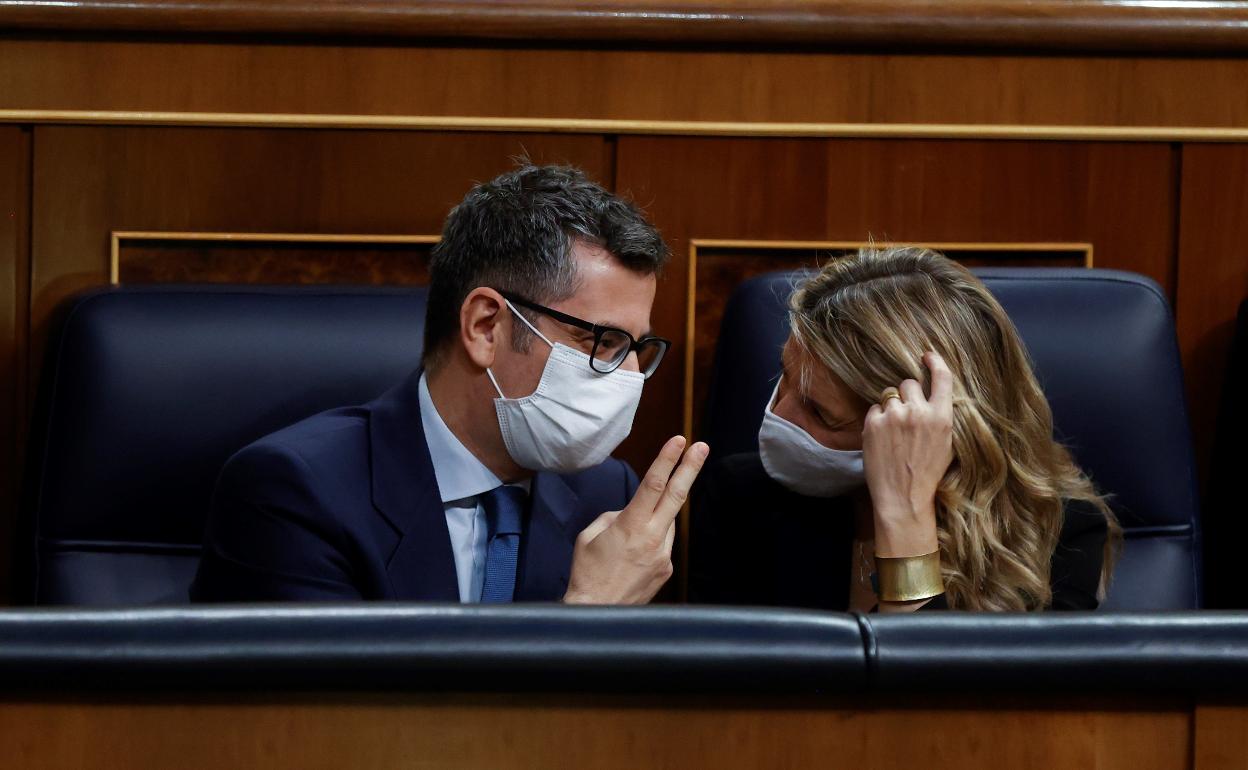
column 640, row 127
column 118, row 237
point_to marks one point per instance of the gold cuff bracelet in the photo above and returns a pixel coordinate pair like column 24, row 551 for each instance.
column 909, row 578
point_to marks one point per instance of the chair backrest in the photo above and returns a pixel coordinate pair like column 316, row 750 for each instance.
column 1104, row 349
column 150, row 389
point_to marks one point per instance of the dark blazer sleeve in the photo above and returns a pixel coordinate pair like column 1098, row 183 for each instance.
column 1079, row 557
column 269, row 536
column 754, row 542
column 630, row 482
column 717, row 540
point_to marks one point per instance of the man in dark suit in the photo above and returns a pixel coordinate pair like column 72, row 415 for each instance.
column 485, row 475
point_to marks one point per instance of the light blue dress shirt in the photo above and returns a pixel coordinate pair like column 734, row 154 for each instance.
column 461, row 478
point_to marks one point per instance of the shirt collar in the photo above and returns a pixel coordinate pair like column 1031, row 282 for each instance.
column 458, row 471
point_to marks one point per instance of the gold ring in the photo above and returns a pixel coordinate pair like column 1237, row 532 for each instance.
column 888, row 395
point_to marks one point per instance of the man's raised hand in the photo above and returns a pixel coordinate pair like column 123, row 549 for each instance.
column 625, row 557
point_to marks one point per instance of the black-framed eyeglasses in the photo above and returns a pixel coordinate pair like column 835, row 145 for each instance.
column 611, row 345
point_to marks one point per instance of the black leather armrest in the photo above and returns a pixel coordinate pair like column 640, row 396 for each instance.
column 675, row 649
column 432, row 647
column 1188, row 652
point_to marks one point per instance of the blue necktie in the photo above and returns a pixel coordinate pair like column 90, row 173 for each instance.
column 504, row 507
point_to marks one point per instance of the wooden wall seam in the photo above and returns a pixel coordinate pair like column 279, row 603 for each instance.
column 15, row 182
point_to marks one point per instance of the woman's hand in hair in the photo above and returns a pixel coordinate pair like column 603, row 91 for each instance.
column 907, row 444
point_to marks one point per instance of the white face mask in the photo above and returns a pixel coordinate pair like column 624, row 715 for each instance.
column 793, row 458
column 576, row 417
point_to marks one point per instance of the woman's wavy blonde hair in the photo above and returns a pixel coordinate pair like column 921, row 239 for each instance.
column 869, row 318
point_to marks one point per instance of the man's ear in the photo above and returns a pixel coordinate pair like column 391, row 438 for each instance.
column 484, row 324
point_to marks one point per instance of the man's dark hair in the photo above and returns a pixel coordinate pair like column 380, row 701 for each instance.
column 515, row 233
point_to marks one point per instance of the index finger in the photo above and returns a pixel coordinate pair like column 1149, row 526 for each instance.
column 653, row 484
column 678, row 487
column 942, row 379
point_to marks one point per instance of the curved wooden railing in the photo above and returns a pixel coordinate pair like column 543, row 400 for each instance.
column 1152, row 26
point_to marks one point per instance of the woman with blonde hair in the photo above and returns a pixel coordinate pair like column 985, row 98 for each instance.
column 906, row 460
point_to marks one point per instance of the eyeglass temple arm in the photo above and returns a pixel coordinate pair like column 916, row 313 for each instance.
column 555, row 314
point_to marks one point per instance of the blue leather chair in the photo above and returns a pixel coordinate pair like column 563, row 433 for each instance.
column 150, row 389
column 1104, row 349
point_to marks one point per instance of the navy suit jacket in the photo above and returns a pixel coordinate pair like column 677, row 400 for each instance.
column 344, row 505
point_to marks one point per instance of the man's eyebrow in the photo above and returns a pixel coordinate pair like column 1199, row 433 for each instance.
column 616, row 325
column 574, row 327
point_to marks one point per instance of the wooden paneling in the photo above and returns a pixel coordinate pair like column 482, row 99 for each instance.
column 1221, row 737
column 525, row 731
column 1037, row 24
column 14, row 298
column 758, row 88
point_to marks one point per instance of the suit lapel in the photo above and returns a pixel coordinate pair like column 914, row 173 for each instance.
column 547, row 545
column 405, row 492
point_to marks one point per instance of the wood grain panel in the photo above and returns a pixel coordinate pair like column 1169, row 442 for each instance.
column 14, row 299
column 289, row 261
column 1212, row 281
column 618, row 84
column 1221, row 737
column 1118, row 197
column 524, row 731
column 1038, row 24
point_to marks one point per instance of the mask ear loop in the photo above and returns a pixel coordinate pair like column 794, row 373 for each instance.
column 490, row 374
column 532, row 328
